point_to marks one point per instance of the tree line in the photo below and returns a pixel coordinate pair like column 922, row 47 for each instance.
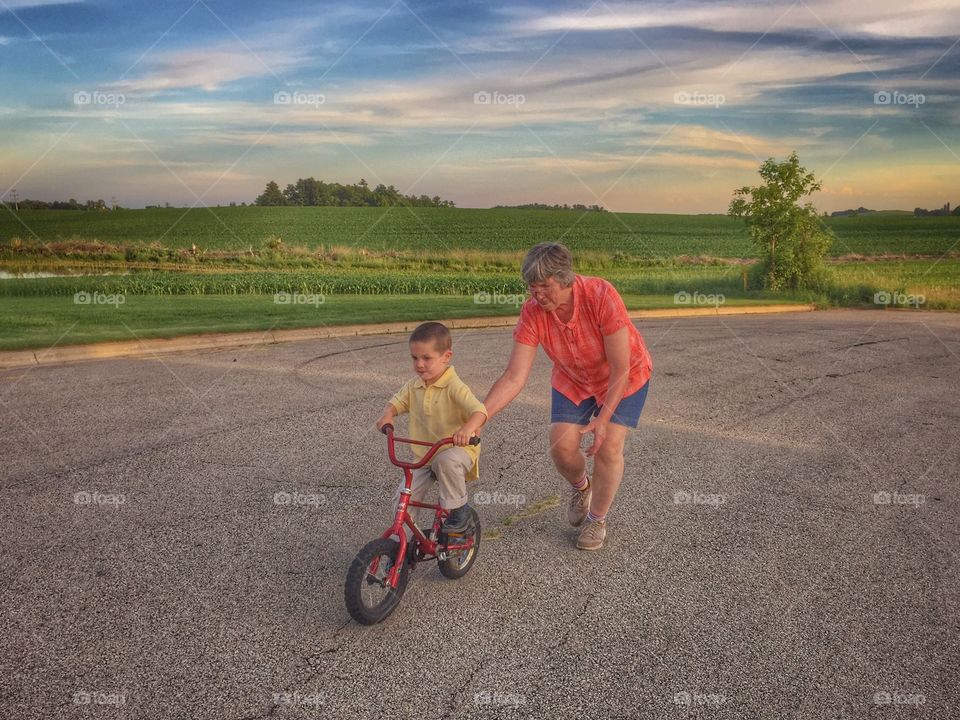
column 71, row 204
column 543, row 206
column 945, row 210
column 310, row 191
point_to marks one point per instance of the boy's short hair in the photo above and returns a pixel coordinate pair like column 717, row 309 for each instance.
column 434, row 332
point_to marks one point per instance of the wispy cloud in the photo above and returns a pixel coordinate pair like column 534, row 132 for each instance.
column 8, row 5
column 923, row 18
column 208, row 69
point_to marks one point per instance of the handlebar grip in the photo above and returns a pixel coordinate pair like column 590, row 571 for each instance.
column 475, row 440
column 387, row 428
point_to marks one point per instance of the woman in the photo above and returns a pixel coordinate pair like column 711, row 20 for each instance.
column 601, row 369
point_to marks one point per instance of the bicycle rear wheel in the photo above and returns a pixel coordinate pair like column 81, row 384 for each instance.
column 367, row 592
column 460, row 562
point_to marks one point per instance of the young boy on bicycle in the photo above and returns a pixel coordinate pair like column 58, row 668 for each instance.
column 440, row 405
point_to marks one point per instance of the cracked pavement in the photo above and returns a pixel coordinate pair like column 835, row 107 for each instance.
column 784, row 545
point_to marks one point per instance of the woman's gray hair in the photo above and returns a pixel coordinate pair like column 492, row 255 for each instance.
column 548, row 260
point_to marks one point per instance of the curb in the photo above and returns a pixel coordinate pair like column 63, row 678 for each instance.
column 10, row 359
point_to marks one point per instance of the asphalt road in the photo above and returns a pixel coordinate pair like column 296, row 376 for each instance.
column 785, row 543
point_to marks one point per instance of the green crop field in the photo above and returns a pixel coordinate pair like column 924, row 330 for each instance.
column 218, row 269
column 456, row 229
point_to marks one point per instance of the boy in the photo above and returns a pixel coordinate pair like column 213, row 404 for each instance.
column 440, row 405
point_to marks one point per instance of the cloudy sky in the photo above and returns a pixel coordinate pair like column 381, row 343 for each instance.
column 639, row 106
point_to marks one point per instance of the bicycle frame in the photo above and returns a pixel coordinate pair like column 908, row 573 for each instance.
column 430, row 548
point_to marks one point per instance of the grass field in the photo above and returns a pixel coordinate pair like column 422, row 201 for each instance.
column 375, row 265
column 445, row 230
column 39, row 313
column 42, row 322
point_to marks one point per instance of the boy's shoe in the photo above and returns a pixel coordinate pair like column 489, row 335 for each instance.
column 592, row 535
column 458, row 521
column 579, row 505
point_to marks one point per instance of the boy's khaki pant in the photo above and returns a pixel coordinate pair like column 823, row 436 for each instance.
column 449, row 467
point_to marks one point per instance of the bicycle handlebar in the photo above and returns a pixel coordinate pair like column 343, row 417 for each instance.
column 387, row 430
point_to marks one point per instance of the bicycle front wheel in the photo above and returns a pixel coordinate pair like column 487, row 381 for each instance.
column 367, row 592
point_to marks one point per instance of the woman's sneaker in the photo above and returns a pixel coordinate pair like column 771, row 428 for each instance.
column 592, row 535
column 579, row 505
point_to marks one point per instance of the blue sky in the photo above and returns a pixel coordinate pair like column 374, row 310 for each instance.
column 641, row 106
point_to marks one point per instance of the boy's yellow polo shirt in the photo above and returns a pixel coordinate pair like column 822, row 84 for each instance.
column 437, row 411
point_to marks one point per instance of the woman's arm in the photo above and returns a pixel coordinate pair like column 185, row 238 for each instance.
column 511, row 382
column 617, row 349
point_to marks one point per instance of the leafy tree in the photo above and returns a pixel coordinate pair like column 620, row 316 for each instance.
column 271, row 195
column 791, row 237
column 312, row 192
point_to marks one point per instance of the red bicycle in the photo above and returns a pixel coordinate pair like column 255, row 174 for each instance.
column 378, row 575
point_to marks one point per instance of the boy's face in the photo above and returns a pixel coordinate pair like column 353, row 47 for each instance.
column 429, row 362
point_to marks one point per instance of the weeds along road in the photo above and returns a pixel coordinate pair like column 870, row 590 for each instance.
column 784, row 545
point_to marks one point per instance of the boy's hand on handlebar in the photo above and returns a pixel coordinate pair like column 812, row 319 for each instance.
column 469, row 429
column 462, row 436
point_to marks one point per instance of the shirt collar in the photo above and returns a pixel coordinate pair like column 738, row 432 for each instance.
column 448, row 376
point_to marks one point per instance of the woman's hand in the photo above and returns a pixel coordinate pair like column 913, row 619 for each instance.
column 598, row 427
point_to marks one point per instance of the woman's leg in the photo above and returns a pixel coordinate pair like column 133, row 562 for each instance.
column 572, row 465
column 608, row 469
column 565, row 451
